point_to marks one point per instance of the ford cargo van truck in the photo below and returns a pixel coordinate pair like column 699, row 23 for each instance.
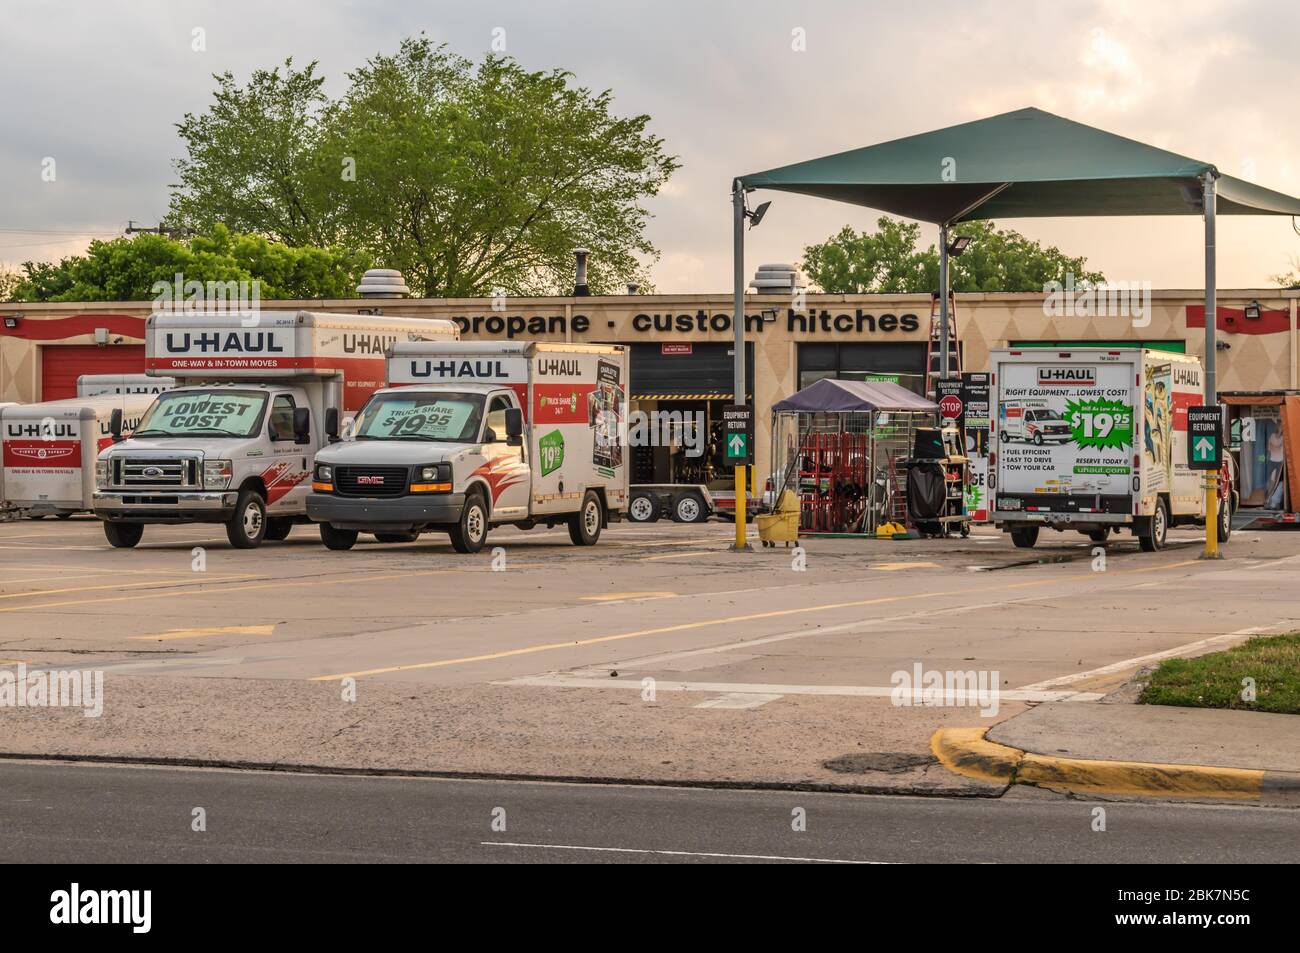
column 472, row 435
column 1111, row 451
column 233, row 442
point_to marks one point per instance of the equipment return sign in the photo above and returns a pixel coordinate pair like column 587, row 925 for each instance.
column 738, row 434
column 1204, row 437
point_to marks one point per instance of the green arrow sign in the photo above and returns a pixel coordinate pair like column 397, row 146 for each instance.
column 738, row 446
column 1203, row 450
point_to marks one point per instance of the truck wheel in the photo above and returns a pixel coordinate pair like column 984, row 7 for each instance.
column 339, row 539
column 469, row 533
column 279, row 528
column 1025, row 537
column 123, row 535
column 643, row 508
column 1157, row 528
column 1098, row 535
column 1002, row 436
column 1038, row 440
column 584, row 525
column 1225, row 520
column 63, row 516
column 397, row 537
column 247, row 528
column 689, row 508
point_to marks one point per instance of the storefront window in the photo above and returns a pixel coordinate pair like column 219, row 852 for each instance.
column 901, row 363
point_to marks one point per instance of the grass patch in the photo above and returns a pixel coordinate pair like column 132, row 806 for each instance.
column 1215, row 680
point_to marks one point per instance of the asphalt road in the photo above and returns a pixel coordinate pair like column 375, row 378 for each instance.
column 82, row 813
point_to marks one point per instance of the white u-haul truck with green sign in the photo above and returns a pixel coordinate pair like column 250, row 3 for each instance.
column 469, row 435
column 258, row 394
column 1106, row 448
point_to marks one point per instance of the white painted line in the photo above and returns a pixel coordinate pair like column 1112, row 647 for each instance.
column 959, row 697
column 681, row 853
column 649, row 661
column 1141, row 660
column 737, row 701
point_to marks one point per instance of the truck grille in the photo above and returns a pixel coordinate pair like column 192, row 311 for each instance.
column 150, row 472
column 370, row 481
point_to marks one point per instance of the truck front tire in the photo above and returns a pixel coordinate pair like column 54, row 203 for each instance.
column 279, row 528
column 337, row 539
column 470, row 532
column 1025, row 537
column 584, row 525
column 247, row 528
column 123, row 535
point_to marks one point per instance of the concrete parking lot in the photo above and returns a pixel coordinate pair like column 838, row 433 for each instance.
column 656, row 655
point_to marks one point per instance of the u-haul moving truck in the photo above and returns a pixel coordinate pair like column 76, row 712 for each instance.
column 1122, row 461
column 234, row 443
column 49, row 451
column 470, row 434
column 92, row 385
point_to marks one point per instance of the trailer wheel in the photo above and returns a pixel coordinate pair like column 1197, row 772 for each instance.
column 643, row 508
column 584, row 525
column 279, row 528
column 1225, row 519
column 1157, row 528
column 247, row 528
column 689, row 508
column 338, row 539
column 1025, row 537
column 123, row 535
column 470, row 531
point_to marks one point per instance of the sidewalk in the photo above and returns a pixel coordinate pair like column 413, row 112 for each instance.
column 1129, row 749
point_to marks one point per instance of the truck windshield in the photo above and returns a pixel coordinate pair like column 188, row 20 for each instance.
column 191, row 413
column 452, row 417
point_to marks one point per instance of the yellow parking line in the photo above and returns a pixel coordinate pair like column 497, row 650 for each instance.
column 176, row 594
column 198, row 633
column 705, row 623
column 145, row 583
column 698, row 552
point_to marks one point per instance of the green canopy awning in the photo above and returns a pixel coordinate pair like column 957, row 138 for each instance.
column 1021, row 164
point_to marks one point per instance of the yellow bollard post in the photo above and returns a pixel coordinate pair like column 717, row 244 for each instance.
column 742, row 509
column 1211, row 515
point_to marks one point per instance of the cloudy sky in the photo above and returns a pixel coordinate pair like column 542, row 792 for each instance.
column 97, row 85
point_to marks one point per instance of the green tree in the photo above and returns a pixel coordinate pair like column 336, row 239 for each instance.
column 466, row 178
column 888, row 261
column 126, row 269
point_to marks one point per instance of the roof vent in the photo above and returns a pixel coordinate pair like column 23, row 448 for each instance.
column 778, row 279
column 383, row 283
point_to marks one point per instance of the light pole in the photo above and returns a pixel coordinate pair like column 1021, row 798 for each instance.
column 1211, row 353
column 738, row 216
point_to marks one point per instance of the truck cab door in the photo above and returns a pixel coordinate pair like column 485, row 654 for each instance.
column 287, row 464
column 508, row 472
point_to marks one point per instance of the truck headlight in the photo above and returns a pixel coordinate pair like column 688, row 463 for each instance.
column 101, row 473
column 434, row 478
column 216, row 474
column 324, row 473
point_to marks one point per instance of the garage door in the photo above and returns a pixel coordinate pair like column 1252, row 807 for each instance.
column 62, row 364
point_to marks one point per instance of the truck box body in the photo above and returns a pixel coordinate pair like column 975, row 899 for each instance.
column 229, row 424
column 49, row 450
column 1092, row 438
column 573, row 401
column 93, row 385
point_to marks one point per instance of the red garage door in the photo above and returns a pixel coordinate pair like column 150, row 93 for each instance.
column 62, row 364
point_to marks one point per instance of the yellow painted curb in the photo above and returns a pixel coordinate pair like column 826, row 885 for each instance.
column 966, row 751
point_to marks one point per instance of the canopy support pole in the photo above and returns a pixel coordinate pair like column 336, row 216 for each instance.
column 943, row 307
column 1211, row 304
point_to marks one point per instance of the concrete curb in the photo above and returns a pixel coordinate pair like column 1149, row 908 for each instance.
column 966, row 751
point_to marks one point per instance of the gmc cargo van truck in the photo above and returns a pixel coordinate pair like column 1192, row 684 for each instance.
column 1094, row 439
column 233, row 443
column 470, row 435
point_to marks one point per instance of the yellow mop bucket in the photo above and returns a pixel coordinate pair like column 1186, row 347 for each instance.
column 781, row 525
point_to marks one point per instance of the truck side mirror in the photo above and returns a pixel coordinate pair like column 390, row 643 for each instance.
column 301, row 425
column 332, row 424
column 514, row 427
column 115, row 424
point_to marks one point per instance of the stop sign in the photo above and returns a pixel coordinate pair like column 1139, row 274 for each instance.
column 950, row 407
